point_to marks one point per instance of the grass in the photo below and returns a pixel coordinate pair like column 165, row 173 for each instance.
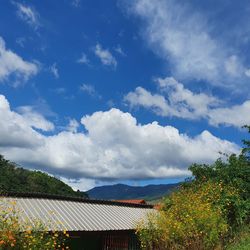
column 241, row 241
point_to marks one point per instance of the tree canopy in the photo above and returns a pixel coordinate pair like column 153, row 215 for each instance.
column 17, row 179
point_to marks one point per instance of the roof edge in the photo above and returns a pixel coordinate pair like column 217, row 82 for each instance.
column 69, row 198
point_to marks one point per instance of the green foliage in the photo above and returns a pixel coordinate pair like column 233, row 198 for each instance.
column 246, row 148
column 241, row 240
column 16, row 179
column 235, row 174
column 187, row 220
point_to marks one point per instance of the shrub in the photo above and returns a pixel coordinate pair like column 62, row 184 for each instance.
column 233, row 176
column 25, row 235
column 189, row 219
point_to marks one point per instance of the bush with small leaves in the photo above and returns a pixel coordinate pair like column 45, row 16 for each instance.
column 188, row 219
column 17, row 234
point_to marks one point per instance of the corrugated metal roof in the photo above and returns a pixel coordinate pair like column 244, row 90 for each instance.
column 73, row 215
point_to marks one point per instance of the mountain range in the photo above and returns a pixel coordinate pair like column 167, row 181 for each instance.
column 122, row 192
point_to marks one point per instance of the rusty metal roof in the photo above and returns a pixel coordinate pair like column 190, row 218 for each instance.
column 133, row 201
column 79, row 214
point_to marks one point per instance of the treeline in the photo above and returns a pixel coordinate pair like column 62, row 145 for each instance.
column 17, row 179
column 211, row 210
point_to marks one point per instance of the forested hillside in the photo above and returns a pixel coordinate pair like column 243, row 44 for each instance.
column 121, row 191
column 17, row 179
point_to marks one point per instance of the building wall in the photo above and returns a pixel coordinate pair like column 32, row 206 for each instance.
column 110, row 240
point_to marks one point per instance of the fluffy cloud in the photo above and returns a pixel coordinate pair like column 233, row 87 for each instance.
column 175, row 100
column 15, row 130
column 28, row 15
column 155, row 102
column 237, row 115
column 114, row 146
column 12, row 64
column 34, row 119
column 184, row 39
column 105, row 56
column 180, row 102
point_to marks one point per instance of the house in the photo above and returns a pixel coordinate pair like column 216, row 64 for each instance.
column 91, row 224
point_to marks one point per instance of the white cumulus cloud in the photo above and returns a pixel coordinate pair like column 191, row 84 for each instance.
column 173, row 99
column 236, row 115
column 15, row 130
column 13, row 64
column 34, row 119
column 114, row 146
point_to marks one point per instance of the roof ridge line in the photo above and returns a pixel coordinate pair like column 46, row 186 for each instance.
column 70, row 198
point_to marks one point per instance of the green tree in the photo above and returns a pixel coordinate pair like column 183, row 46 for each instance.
column 233, row 172
column 17, row 179
column 246, row 148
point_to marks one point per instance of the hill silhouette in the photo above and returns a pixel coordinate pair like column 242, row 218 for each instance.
column 16, row 179
column 122, row 191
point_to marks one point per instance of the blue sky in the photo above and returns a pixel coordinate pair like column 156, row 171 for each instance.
column 99, row 92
